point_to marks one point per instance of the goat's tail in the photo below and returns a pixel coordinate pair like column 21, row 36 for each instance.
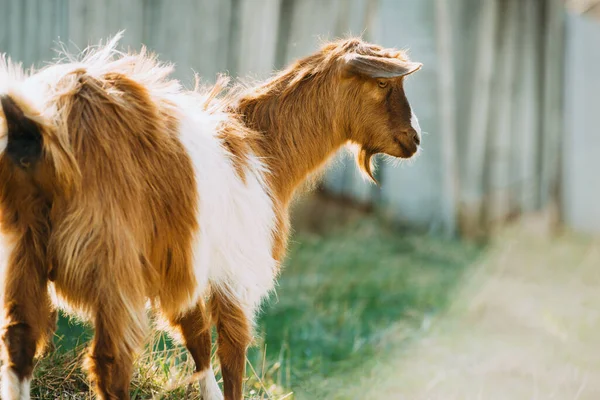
column 27, row 138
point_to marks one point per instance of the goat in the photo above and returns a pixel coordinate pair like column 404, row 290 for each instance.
column 118, row 188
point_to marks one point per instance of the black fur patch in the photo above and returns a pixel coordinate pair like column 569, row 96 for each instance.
column 24, row 146
column 20, row 347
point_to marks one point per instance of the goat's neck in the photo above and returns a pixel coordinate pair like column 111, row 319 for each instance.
column 297, row 132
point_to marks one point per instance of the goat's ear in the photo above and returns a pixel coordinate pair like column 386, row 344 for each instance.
column 379, row 67
column 24, row 144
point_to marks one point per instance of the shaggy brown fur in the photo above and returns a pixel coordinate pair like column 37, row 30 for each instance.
column 95, row 192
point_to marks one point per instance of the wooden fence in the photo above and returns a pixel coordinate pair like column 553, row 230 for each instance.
column 512, row 122
column 489, row 96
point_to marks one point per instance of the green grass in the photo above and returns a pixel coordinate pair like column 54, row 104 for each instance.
column 341, row 290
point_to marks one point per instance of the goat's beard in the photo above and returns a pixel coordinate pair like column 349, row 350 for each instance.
column 364, row 157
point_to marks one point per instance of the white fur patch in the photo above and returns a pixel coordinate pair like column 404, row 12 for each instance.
column 12, row 388
column 414, row 122
column 25, row 389
column 209, row 388
column 233, row 250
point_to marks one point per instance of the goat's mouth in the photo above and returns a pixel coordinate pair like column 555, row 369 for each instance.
column 407, row 148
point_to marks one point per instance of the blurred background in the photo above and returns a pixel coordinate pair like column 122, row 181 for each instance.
column 472, row 272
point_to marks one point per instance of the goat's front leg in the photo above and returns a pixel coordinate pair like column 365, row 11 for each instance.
column 26, row 316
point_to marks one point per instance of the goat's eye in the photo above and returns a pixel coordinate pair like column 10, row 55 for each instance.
column 382, row 84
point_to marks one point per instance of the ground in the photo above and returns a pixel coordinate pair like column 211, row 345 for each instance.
column 522, row 324
column 365, row 310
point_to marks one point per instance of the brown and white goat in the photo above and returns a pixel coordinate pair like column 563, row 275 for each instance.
column 118, row 187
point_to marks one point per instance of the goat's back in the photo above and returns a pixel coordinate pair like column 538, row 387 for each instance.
column 131, row 221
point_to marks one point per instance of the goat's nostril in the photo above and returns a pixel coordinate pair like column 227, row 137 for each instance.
column 417, row 139
column 414, row 135
column 411, row 134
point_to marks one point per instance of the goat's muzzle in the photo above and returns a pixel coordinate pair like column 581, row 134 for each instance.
column 408, row 141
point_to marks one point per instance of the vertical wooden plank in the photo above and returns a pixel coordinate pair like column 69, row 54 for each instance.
column 351, row 18
column 131, row 19
column 96, row 16
column 313, row 21
column 517, row 102
column 88, row 22
column 60, row 22
column 77, row 24
column 527, row 112
column 466, row 31
column 258, row 37
column 124, row 16
column 501, row 147
column 472, row 195
column 164, row 28
column 516, row 124
column 286, row 14
column 446, row 98
column 580, row 166
column 4, row 26
column 16, row 28
column 150, row 23
column 44, row 16
column 212, row 36
column 552, row 104
column 29, row 34
column 192, row 33
column 233, row 33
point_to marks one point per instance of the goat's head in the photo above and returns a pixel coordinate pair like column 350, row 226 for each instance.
column 375, row 111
